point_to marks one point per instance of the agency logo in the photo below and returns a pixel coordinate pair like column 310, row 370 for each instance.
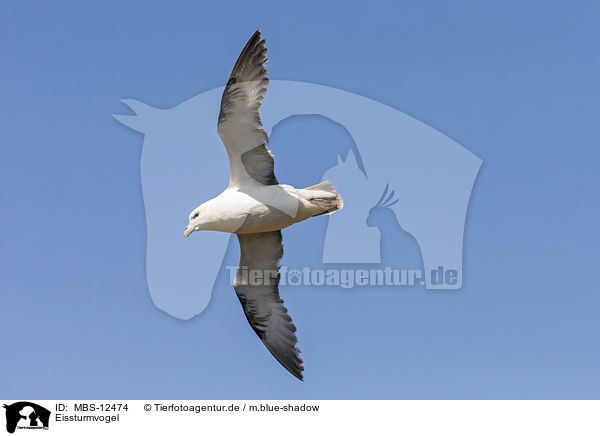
column 406, row 189
column 25, row 415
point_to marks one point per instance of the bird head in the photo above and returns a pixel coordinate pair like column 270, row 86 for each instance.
column 195, row 222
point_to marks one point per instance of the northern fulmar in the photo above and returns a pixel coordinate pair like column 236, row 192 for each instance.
column 256, row 207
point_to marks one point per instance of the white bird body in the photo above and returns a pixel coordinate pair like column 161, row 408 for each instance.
column 256, row 207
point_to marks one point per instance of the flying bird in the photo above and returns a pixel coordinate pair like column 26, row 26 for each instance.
column 255, row 206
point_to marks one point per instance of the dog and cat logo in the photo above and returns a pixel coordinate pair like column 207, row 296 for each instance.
column 26, row 415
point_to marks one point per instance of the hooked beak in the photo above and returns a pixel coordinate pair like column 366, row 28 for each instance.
column 191, row 229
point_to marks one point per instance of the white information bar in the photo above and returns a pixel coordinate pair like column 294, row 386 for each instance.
column 305, row 417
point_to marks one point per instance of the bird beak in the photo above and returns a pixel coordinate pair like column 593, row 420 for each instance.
column 190, row 229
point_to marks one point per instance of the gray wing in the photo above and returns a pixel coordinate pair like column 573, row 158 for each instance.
column 260, row 299
column 239, row 126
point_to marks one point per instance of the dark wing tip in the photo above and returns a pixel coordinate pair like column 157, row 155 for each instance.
column 299, row 374
column 253, row 53
column 290, row 361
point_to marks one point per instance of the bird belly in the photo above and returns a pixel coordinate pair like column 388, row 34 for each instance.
column 265, row 218
column 275, row 208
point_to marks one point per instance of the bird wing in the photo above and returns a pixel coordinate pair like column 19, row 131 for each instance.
column 239, row 125
column 260, row 299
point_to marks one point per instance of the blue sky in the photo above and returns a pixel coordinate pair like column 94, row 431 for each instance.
column 517, row 84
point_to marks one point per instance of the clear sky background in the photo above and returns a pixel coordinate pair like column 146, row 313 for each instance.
column 517, row 84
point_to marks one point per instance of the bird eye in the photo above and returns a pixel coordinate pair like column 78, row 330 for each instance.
column 195, row 215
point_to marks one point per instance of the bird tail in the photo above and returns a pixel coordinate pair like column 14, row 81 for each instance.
column 325, row 196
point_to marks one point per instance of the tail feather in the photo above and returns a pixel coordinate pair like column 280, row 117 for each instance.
column 323, row 186
column 325, row 196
